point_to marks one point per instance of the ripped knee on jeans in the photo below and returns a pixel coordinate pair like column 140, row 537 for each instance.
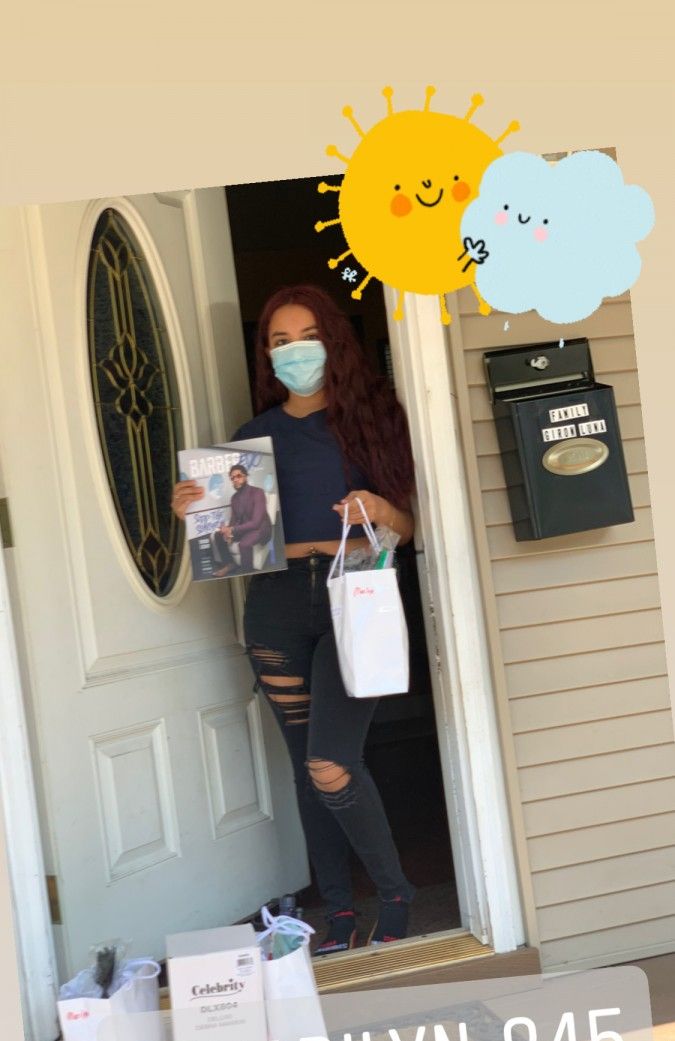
column 265, row 659
column 287, row 693
column 333, row 783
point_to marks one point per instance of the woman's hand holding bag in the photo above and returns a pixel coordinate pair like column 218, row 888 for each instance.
column 369, row 623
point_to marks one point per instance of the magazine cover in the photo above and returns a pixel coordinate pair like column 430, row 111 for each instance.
column 235, row 529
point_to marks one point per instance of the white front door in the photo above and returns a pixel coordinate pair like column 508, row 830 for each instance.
column 167, row 799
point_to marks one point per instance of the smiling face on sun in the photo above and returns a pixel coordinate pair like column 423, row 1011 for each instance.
column 403, row 195
column 402, row 199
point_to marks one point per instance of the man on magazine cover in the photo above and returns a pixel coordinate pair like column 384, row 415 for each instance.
column 249, row 525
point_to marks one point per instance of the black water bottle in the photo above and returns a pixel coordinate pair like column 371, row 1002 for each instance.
column 287, row 905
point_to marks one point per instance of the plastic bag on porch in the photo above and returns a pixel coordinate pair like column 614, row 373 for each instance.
column 291, row 997
column 112, row 986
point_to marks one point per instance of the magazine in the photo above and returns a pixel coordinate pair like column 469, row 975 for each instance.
column 235, row 528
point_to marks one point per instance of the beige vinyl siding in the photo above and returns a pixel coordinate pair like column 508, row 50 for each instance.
column 577, row 632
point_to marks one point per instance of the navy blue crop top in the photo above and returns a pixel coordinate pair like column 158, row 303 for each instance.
column 310, row 472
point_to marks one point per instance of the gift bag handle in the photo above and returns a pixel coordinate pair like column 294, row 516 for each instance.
column 283, row 924
column 134, row 964
column 367, row 527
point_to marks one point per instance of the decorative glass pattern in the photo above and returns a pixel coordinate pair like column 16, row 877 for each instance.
column 136, row 400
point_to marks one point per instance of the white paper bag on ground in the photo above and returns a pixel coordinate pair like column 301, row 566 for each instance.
column 369, row 624
column 291, row 997
column 139, row 1026
column 81, row 1017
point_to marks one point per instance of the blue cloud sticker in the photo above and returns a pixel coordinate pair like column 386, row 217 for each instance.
column 559, row 237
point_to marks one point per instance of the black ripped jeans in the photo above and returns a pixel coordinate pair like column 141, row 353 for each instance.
column 289, row 633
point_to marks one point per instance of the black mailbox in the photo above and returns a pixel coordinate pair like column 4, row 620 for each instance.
column 559, row 439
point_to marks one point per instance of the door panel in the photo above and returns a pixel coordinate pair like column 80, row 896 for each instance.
column 169, row 796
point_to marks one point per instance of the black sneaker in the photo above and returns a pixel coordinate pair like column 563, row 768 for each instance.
column 341, row 933
column 392, row 922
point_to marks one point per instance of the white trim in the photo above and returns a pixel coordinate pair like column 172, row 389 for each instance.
column 195, row 246
column 34, row 946
column 204, row 209
column 220, row 425
column 468, row 735
column 603, row 961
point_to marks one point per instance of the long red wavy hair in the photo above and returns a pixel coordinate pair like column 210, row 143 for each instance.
column 362, row 410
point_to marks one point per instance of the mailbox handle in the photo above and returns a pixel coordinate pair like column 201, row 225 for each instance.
column 506, row 388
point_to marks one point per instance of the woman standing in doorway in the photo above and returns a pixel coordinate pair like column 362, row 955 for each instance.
column 338, row 432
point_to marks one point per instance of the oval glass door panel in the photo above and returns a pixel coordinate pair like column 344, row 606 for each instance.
column 137, row 407
column 576, row 456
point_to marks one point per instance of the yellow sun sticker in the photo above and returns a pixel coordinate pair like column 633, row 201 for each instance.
column 402, row 197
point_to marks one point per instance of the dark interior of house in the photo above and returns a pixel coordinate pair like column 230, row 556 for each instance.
column 275, row 244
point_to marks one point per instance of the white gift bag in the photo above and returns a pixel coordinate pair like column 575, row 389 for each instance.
column 81, row 1017
column 291, row 997
column 369, row 624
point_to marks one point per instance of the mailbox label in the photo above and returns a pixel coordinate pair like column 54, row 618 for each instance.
column 558, row 415
column 559, row 433
column 595, row 426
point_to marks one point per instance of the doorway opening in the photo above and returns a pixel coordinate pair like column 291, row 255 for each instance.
column 274, row 244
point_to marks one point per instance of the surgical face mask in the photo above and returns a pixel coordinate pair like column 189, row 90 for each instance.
column 300, row 366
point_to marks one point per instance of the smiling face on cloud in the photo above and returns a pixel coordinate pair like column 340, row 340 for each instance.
column 560, row 237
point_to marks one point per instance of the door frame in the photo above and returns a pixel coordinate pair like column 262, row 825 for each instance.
column 466, row 720
column 33, row 930
column 475, row 791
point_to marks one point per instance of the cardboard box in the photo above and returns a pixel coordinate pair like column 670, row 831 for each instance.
column 215, row 982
